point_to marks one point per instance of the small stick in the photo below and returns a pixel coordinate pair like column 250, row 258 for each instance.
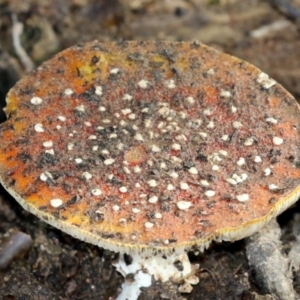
column 17, row 29
column 286, row 7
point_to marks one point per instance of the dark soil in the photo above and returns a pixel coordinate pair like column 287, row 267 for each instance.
column 60, row 267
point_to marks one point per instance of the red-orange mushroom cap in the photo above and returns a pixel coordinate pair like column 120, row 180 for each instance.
column 151, row 146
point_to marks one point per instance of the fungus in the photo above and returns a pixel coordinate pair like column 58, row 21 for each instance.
column 129, row 154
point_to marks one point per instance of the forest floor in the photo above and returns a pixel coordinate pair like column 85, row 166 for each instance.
column 56, row 266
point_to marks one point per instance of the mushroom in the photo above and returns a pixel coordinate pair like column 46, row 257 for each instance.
column 151, row 149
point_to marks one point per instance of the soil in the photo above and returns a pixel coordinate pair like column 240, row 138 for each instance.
column 56, row 266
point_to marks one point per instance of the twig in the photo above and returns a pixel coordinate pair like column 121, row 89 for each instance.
column 17, row 29
column 286, row 7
